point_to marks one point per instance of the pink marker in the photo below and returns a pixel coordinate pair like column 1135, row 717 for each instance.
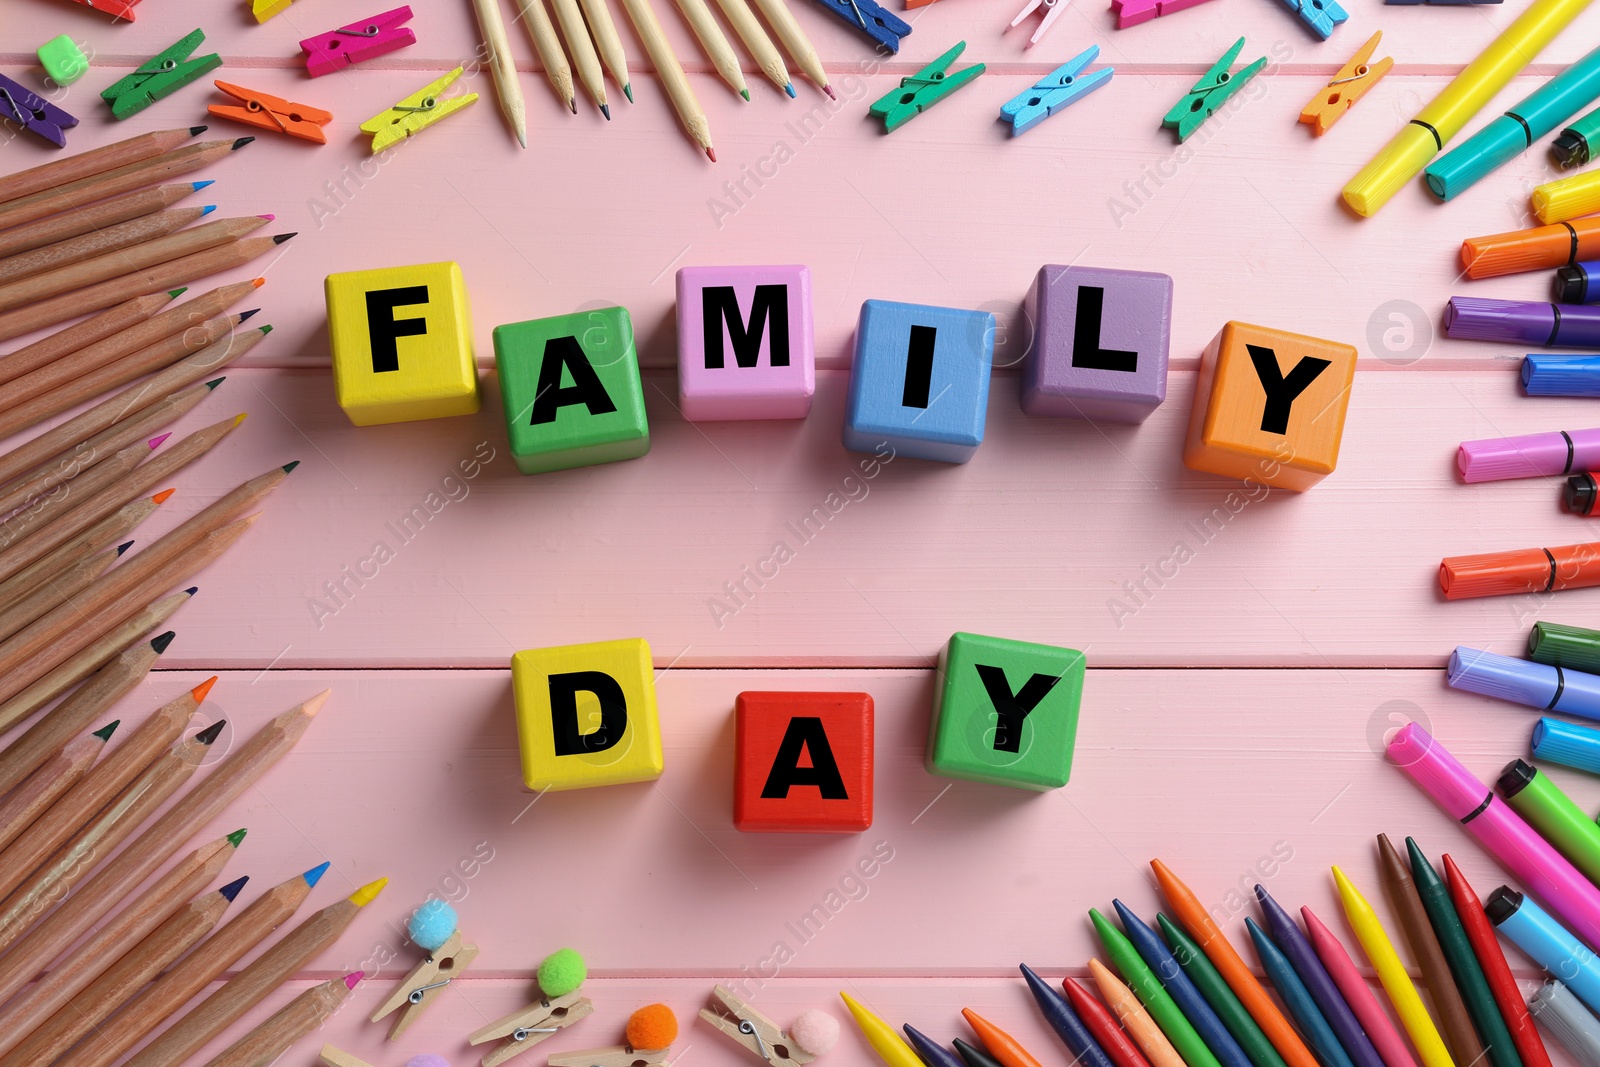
column 1534, row 455
column 1369, row 1013
column 1499, row 829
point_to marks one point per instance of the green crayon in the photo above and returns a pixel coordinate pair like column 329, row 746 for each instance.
column 1219, row 995
column 1147, row 987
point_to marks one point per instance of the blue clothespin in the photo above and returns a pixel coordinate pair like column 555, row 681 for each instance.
column 1210, row 92
column 159, row 77
column 1320, row 15
column 1055, row 91
column 34, row 113
column 881, row 26
column 920, row 91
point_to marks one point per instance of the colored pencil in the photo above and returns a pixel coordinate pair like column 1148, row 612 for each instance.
column 795, row 42
column 195, row 971
column 1193, row 916
column 289, row 1024
column 1496, row 970
column 1357, row 993
column 95, row 161
column 131, row 759
column 58, row 590
column 111, row 826
column 75, row 194
column 585, row 60
column 1302, row 1009
column 96, row 537
column 119, row 936
column 92, row 217
column 47, row 511
column 1157, row 1049
column 1157, row 1000
column 35, row 797
column 670, row 71
column 1219, row 995
column 531, row 13
column 715, row 44
column 503, row 68
column 250, row 986
column 130, row 867
column 1185, row 994
column 95, row 328
column 756, row 42
column 166, row 275
column 609, row 44
column 1102, row 1026
column 125, row 978
column 99, row 242
column 45, row 738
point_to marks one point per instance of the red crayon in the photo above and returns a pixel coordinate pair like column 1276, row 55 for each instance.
column 1103, row 1026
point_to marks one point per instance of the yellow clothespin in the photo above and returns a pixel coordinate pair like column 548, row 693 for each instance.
column 433, row 929
column 760, row 1035
column 1352, row 82
column 416, row 112
column 650, row 1034
column 266, row 9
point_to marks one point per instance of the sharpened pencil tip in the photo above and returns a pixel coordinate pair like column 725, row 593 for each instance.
column 232, row 889
column 244, row 316
column 278, row 239
column 314, row 875
column 162, row 497
column 124, row 547
column 290, row 466
column 155, row 442
column 208, row 209
column 711, row 153
column 210, row 734
column 241, row 142
column 196, row 131
column 237, row 419
column 269, row 218
column 829, row 90
column 522, row 138
column 627, row 91
column 368, row 893
column 265, row 329
column 175, row 293
column 192, row 590
column 352, row 978
column 605, row 109
column 789, row 88
column 314, row 705
column 105, row 732
column 746, row 94
column 197, row 186
column 258, row 282
column 237, row 837
column 199, row 692
column 213, row 383
column 160, row 641
column 572, row 105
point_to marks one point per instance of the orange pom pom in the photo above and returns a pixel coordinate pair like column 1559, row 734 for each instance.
column 652, row 1026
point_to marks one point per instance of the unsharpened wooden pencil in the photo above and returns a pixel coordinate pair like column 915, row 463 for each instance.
column 250, row 986
column 92, row 540
column 95, row 216
column 288, row 1024
column 76, row 194
column 756, row 41
column 502, row 66
column 107, row 323
column 99, row 242
column 795, row 42
column 112, row 825
column 532, row 15
column 670, row 71
column 99, row 787
column 71, row 168
column 125, row 978
column 40, row 743
column 585, row 60
column 43, row 511
column 119, row 936
column 608, row 42
column 49, row 312
column 46, row 785
column 196, row 971
column 242, row 768
column 715, row 44
column 58, row 589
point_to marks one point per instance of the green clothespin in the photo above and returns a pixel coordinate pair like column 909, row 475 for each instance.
column 1210, row 92
column 159, row 77
column 922, row 90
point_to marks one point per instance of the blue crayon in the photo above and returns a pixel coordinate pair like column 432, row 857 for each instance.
column 1307, row 1016
column 932, row 1053
column 1206, row 1022
column 1065, row 1022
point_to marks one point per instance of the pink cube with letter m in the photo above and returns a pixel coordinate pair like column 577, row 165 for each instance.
column 745, row 344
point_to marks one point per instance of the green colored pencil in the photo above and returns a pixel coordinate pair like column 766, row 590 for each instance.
column 1144, row 983
column 1219, row 995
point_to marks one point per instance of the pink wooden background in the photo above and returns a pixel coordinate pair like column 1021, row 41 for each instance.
column 1234, row 713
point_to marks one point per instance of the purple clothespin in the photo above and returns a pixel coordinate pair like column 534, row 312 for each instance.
column 34, row 113
column 358, row 42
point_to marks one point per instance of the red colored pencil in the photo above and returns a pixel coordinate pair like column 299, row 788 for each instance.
column 1103, row 1026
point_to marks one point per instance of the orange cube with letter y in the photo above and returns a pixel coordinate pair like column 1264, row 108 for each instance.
column 586, row 715
column 1269, row 406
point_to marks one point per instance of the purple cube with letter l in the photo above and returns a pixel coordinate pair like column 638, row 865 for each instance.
column 1100, row 350
column 745, row 347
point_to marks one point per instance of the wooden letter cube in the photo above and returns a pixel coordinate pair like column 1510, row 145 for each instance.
column 402, row 343
column 571, row 390
column 920, row 381
column 586, row 715
column 1100, row 343
column 1005, row 712
column 1269, row 406
column 803, row 763
column 745, row 348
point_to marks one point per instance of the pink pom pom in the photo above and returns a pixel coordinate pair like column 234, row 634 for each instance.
column 428, row 1059
column 815, row 1031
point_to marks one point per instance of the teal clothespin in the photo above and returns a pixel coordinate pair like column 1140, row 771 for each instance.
column 1209, row 93
column 159, row 77
column 1062, row 86
column 922, row 90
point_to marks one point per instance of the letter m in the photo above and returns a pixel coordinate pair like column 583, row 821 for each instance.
column 769, row 307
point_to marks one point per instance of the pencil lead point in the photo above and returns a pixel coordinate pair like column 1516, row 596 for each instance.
column 278, row 239
column 175, row 293
column 367, row 893
column 605, row 109
column 161, row 497
column 789, row 88
column 155, row 442
column 196, row 131
column 314, row 705
column 829, row 90
column 231, row 890
column 208, row 209
column 522, row 138
column 244, row 316
column 265, row 329
column 711, row 153
column 199, row 692
column 160, row 641
column 192, row 590
column 314, row 875
column 237, row 836
column 746, row 94
column 210, row 734
column 572, row 105
column 627, row 91
column 258, row 282
column 352, row 978
column 213, row 383
column 124, row 547
column 105, row 732
column 290, row 466
column 197, row 186
column 237, row 419
column 241, row 142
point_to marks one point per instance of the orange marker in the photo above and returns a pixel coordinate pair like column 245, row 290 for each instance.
column 1103, row 1027
column 1134, row 1018
column 1194, row 917
column 1533, row 249
column 1001, row 1045
column 1526, row 570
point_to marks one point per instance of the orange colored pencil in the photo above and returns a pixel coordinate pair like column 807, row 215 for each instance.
column 94, row 216
column 107, row 323
column 33, row 799
column 58, row 589
column 288, row 1024
column 95, row 161
column 128, row 234
column 106, row 531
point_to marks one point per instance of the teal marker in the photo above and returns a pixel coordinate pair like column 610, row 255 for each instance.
column 1545, row 108
column 1575, row 145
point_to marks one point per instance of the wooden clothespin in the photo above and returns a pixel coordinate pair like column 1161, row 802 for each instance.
column 1214, row 89
column 922, row 90
column 1353, row 81
column 34, row 113
column 272, row 113
column 1321, row 16
column 159, row 77
column 1133, row 12
column 1052, row 10
column 881, row 26
column 1054, row 91
column 651, row 1031
column 266, row 9
column 338, row 1057
column 521, row 1030
column 327, row 53
column 433, row 929
column 416, row 112
column 813, row 1033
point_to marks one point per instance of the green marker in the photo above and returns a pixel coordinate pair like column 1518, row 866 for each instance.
column 1562, row 823
column 1575, row 145
column 1474, row 987
column 1219, row 995
column 1144, row 983
column 1565, row 646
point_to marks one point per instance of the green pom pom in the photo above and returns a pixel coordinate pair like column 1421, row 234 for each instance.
column 561, row 972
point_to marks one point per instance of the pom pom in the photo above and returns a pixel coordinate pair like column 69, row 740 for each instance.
column 652, row 1026
column 431, row 924
column 815, row 1031
column 561, row 972
column 427, row 1059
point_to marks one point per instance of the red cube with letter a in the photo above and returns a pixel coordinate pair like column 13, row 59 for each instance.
column 803, row 763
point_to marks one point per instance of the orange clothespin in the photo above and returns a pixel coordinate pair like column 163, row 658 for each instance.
column 272, row 113
column 1352, row 82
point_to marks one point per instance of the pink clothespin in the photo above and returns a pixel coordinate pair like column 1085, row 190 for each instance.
column 358, row 42
column 1052, row 9
column 1133, row 12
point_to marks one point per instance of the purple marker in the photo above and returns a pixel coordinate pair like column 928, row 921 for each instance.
column 1523, row 322
column 1534, row 685
column 1534, row 455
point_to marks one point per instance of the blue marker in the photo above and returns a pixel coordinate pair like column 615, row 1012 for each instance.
column 1552, row 946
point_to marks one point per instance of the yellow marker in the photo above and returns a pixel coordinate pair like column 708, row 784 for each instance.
column 881, row 1036
column 1567, row 198
column 367, row 893
column 1421, row 139
column 1392, row 973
